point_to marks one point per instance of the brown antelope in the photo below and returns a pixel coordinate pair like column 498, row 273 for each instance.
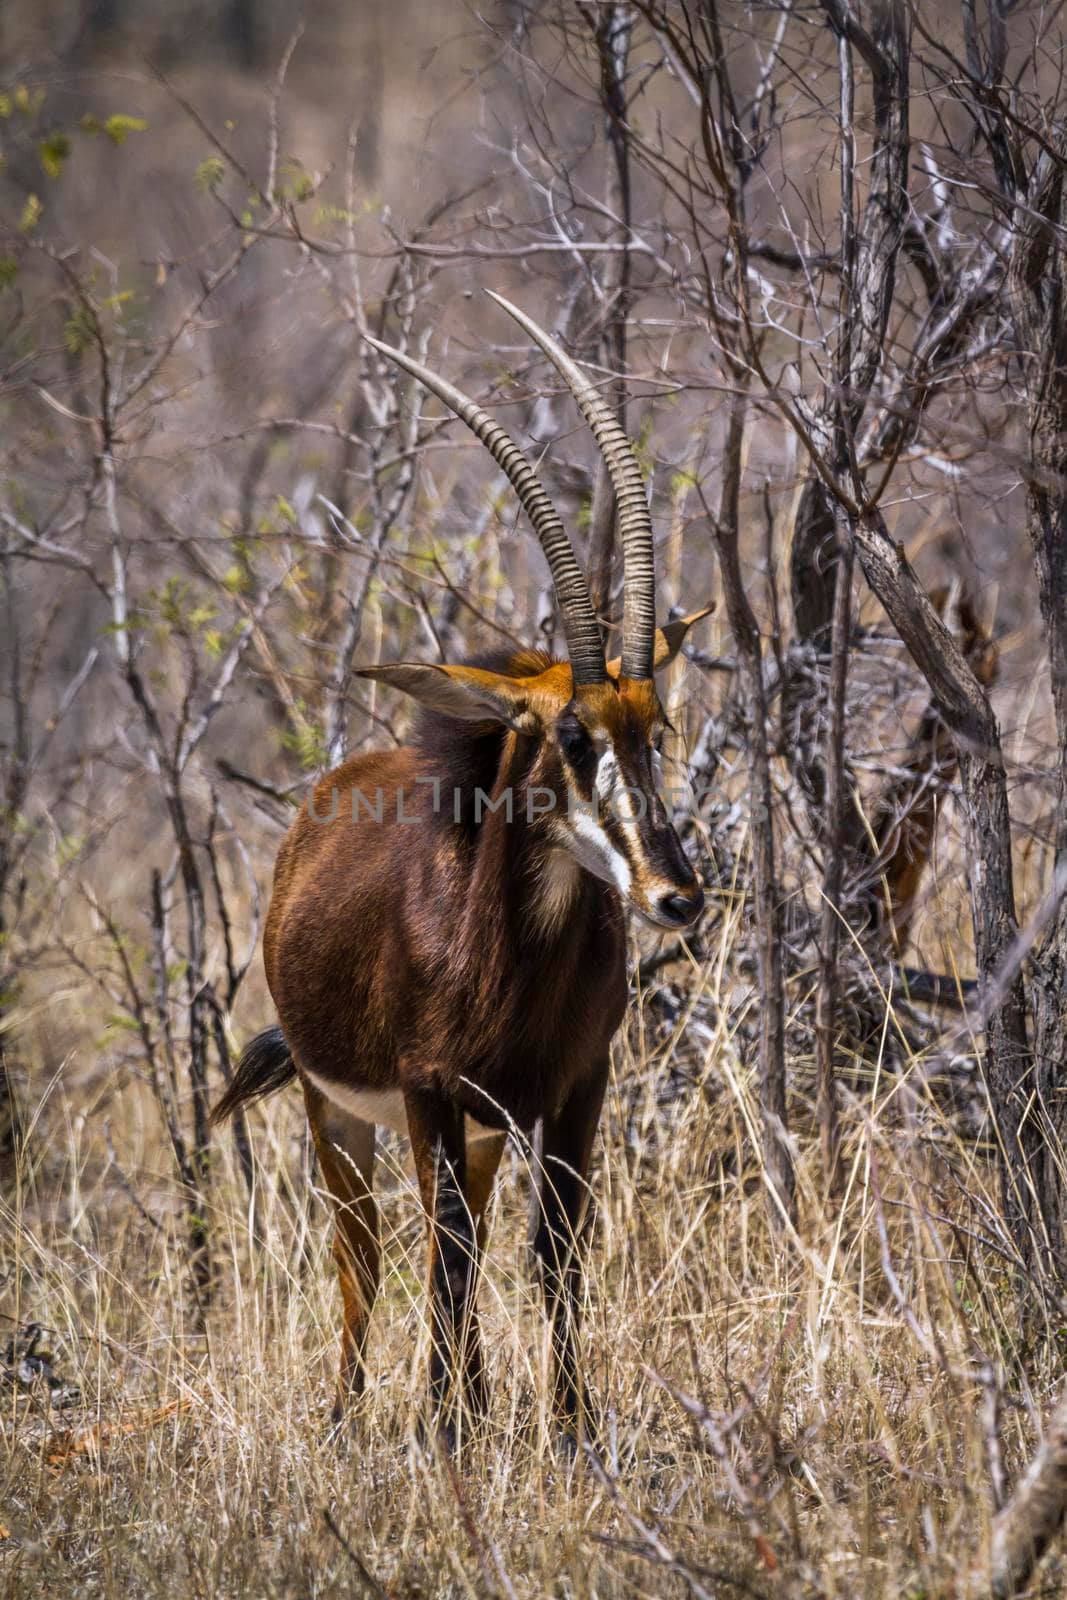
column 445, row 945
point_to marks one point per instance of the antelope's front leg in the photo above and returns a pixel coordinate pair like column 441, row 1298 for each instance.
column 435, row 1125
column 482, row 1160
column 558, row 1243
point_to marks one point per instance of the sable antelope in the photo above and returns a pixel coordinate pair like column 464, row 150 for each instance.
column 445, row 943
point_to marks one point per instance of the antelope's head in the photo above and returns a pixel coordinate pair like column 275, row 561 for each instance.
column 598, row 724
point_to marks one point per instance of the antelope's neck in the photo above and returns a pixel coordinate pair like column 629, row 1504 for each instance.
column 533, row 883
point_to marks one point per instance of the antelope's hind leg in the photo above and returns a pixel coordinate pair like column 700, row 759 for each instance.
column 345, row 1146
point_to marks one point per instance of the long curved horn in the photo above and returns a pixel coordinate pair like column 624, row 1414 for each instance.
column 635, row 523
column 572, row 592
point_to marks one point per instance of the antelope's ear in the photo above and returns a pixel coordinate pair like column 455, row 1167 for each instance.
column 467, row 692
column 668, row 641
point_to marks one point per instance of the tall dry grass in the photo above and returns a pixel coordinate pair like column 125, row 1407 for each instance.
column 811, row 1421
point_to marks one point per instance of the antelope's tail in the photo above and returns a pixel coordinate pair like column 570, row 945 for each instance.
column 265, row 1064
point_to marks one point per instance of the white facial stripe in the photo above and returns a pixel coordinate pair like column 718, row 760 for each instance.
column 607, row 773
column 605, row 854
column 625, row 804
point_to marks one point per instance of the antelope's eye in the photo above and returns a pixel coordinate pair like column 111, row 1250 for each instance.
column 575, row 743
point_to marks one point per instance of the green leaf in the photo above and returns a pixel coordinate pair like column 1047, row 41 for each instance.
column 53, row 152
column 202, row 614
column 118, row 127
column 642, row 448
column 78, row 332
column 119, row 1019
column 31, row 214
column 296, row 184
column 9, row 271
column 306, row 741
column 69, row 848
column 135, row 623
column 209, row 174
column 235, row 580
column 173, row 600
column 334, row 214
column 28, row 103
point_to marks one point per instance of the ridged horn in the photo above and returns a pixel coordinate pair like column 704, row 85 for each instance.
column 572, row 592
column 635, row 523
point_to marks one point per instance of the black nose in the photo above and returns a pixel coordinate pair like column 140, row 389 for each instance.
column 682, row 909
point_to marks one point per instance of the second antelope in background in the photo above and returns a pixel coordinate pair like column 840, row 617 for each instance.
column 445, row 945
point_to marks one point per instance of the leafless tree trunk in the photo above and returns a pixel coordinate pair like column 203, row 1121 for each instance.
column 965, row 707
column 833, row 763
column 613, row 29
column 22, row 756
column 1039, row 302
column 1027, row 192
column 960, row 698
column 15, row 774
column 729, row 154
column 823, row 540
column 903, row 819
column 1025, row 1527
column 834, row 859
column 766, row 896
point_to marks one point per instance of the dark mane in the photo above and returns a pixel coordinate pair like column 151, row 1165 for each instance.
column 466, row 755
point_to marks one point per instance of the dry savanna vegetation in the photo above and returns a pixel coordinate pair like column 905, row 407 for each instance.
column 815, row 254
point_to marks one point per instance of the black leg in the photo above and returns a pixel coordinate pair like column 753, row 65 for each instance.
column 558, row 1243
column 437, row 1141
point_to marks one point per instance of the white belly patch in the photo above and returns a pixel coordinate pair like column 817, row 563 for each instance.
column 384, row 1107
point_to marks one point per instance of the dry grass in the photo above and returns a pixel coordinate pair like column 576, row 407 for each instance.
column 842, row 1445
